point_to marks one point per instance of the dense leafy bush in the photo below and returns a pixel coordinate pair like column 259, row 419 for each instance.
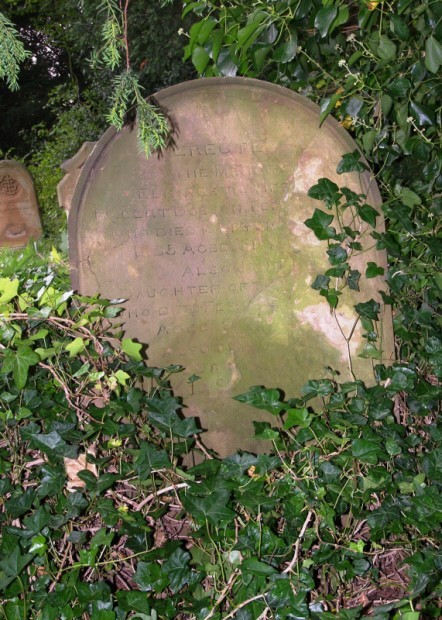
column 104, row 518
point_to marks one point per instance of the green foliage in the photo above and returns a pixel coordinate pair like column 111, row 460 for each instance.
column 12, row 53
column 152, row 125
column 99, row 513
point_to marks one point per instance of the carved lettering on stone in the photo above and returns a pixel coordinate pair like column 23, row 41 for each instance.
column 207, row 242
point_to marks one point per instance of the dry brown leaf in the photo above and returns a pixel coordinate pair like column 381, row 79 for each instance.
column 73, row 467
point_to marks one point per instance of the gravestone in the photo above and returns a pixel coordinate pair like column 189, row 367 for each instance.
column 207, row 242
column 72, row 167
column 19, row 217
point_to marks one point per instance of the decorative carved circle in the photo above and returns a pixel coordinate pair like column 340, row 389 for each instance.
column 8, row 185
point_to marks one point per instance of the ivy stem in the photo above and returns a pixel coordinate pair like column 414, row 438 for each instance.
column 149, row 498
column 294, row 559
column 232, row 614
column 223, row 593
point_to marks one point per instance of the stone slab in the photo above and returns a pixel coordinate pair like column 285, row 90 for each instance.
column 19, row 216
column 207, row 242
column 72, row 167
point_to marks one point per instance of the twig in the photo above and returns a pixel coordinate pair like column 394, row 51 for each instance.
column 263, row 616
column 243, row 604
column 67, row 394
column 149, row 498
column 61, row 567
column 298, row 543
column 202, row 448
column 223, row 593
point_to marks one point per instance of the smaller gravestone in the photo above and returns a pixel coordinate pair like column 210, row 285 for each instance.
column 72, row 167
column 19, row 216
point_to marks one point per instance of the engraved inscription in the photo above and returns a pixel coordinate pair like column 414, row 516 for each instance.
column 208, row 245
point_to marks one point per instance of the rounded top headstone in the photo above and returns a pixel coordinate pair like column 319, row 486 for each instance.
column 19, row 216
column 207, row 241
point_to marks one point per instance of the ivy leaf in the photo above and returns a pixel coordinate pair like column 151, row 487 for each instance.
column 369, row 309
column 20, row 504
column 367, row 214
column 254, row 567
column 296, row 417
column 321, row 282
column 319, row 224
column 262, row 398
column 53, row 445
column 325, row 190
column 336, row 254
column 12, row 566
column 187, row 427
column 121, row 377
column 315, row 387
column 263, row 430
column 366, row 450
column 24, row 358
column 76, row 346
column 433, row 54
column 148, row 459
column 373, row 270
column 212, row 508
column 38, row 545
column 353, row 279
column 149, row 577
column 350, row 162
column 384, row 517
column 132, row 349
column 8, row 289
column 177, row 569
column 331, row 295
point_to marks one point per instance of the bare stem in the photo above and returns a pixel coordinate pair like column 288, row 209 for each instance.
column 223, row 593
column 152, row 496
column 294, row 559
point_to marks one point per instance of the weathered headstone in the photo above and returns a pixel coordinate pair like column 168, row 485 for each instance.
column 207, row 241
column 72, row 167
column 19, row 217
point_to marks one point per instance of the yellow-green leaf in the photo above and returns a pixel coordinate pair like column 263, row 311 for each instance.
column 8, row 289
column 122, row 377
column 76, row 346
column 132, row 349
